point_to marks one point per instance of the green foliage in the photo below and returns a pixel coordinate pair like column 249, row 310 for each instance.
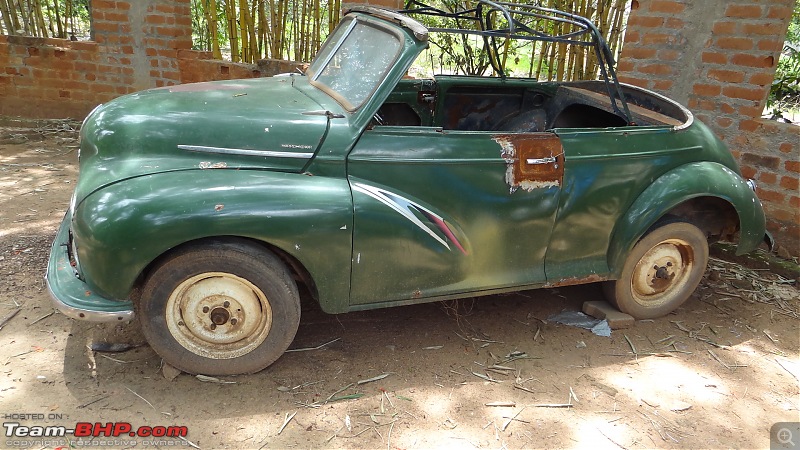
column 784, row 95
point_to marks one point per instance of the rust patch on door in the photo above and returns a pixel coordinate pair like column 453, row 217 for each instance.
column 534, row 160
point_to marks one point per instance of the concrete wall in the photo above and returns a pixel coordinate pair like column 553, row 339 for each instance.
column 719, row 58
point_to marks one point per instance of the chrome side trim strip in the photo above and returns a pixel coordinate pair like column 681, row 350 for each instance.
column 245, row 152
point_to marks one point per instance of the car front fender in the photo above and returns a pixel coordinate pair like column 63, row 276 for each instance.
column 121, row 229
column 699, row 179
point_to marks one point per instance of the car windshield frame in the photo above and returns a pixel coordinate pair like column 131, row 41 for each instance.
column 336, row 48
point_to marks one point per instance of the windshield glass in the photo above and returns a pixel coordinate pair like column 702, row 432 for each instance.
column 354, row 60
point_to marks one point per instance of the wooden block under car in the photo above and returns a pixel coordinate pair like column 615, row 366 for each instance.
column 604, row 310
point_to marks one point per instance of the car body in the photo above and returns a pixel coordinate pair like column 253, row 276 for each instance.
column 202, row 206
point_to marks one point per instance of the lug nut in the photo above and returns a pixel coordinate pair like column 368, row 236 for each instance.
column 233, row 321
column 226, row 304
column 205, row 309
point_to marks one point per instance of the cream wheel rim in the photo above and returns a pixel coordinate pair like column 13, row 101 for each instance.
column 218, row 315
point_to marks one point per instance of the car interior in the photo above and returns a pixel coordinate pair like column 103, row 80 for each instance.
column 517, row 106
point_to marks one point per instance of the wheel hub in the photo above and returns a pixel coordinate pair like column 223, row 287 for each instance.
column 219, row 316
column 661, row 269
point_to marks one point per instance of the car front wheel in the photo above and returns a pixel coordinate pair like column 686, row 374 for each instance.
column 661, row 272
column 223, row 308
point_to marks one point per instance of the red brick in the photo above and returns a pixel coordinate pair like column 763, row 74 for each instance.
column 792, row 166
column 625, row 66
column 735, row 43
column 674, row 23
column 702, row 104
column 724, row 122
column 762, row 79
column 794, row 202
column 708, row 90
column 767, row 178
column 633, row 80
column 749, row 125
column 657, row 39
column 767, row 162
column 645, row 21
column 662, row 85
column 667, row 6
column 656, row 69
column 754, row 94
column 779, row 12
column 770, row 45
column 748, row 172
column 725, row 28
column 122, row 5
column 771, row 196
column 167, row 9
column 715, row 58
column 766, row 29
column 780, row 214
column 743, row 11
column 668, row 55
column 632, row 35
column 748, row 60
column 115, row 17
column 640, row 53
column 155, row 19
column 726, row 76
column 726, row 108
column 792, row 183
column 786, row 147
column 751, row 111
column 98, row 5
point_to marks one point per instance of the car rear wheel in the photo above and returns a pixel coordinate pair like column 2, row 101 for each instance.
column 661, row 272
column 223, row 308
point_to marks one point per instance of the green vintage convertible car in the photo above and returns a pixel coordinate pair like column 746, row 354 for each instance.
column 203, row 207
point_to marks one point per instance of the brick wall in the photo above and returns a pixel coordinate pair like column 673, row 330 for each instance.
column 135, row 45
column 719, row 58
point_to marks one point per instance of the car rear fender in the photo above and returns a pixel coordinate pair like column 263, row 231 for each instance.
column 682, row 184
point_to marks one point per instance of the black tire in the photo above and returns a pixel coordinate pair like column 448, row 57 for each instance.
column 661, row 272
column 226, row 307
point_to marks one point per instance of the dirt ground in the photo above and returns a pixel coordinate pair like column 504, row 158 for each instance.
column 717, row 373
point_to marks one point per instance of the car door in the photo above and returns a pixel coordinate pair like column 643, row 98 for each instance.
column 442, row 212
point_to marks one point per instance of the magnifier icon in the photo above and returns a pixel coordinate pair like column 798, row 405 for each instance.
column 784, row 436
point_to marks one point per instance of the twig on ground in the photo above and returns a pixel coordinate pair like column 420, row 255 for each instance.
column 145, row 400
column 7, row 318
column 288, row 418
column 306, row 349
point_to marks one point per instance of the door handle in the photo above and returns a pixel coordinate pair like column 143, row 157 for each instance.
column 548, row 160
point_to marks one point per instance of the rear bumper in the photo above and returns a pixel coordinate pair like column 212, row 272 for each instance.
column 71, row 295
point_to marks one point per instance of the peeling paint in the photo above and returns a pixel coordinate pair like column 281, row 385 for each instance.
column 210, row 165
column 519, row 150
column 531, row 185
column 218, row 207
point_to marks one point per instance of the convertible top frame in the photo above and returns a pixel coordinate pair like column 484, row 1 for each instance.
column 504, row 20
